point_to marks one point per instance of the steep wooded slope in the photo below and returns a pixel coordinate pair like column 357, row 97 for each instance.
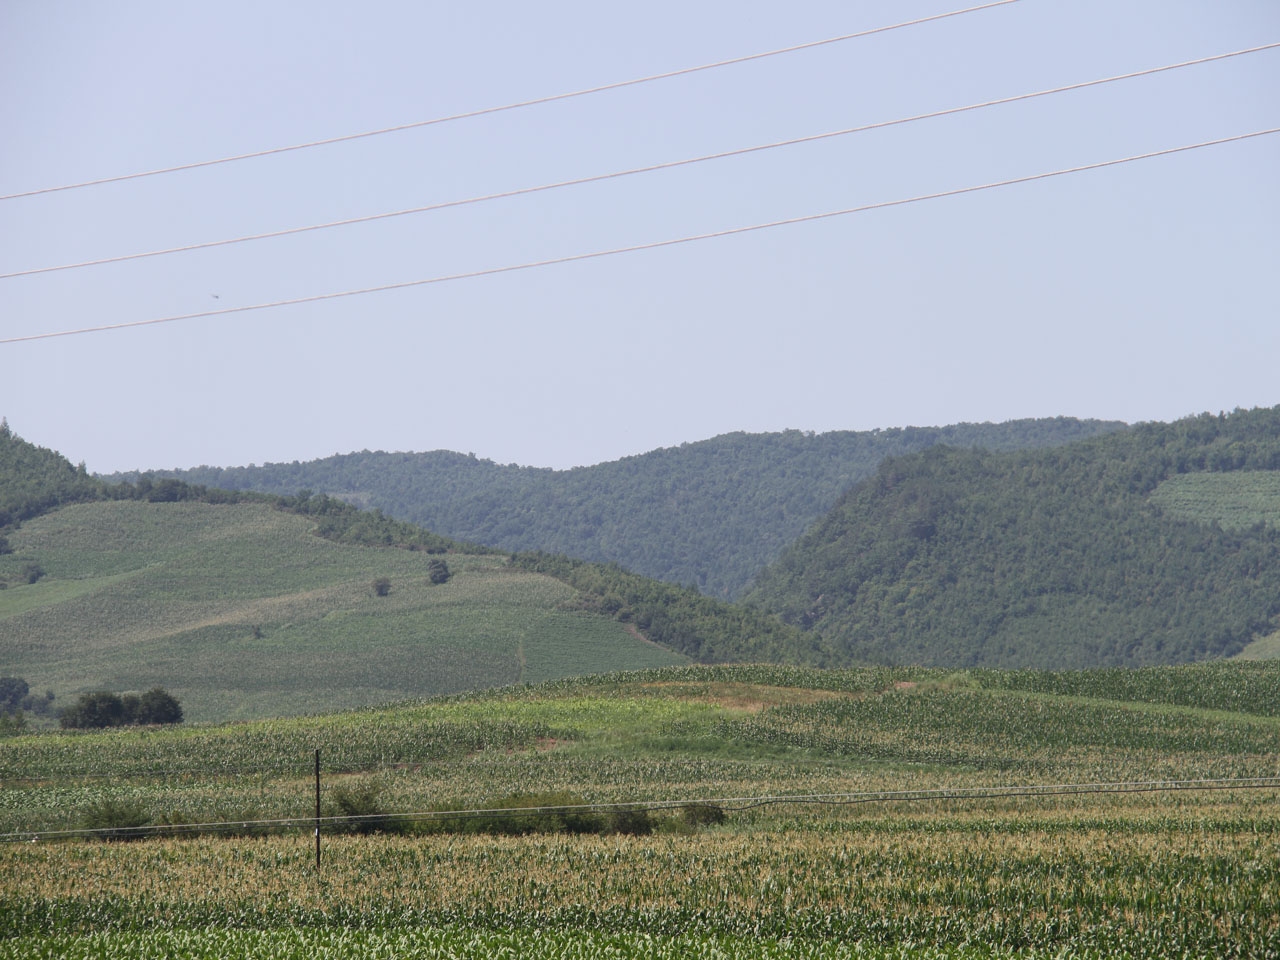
column 1050, row 558
column 708, row 514
column 35, row 479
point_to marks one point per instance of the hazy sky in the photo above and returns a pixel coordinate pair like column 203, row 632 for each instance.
column 1141, row 292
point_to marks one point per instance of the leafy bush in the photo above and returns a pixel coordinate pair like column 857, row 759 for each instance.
column 12, row 692
column 438, row 571
column 703, row 814
column 362, row 799
column 158, row 706
column 631, row 821
column 496, row 820
column 116, row 820
column 94, row 711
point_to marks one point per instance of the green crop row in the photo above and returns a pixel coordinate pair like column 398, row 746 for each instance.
column 1180, row 890
column 462, row 943
column 1015, row 732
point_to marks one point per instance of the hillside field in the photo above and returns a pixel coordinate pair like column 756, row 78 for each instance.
column 1114, row 874
column 240, row 611
column 1235, row 501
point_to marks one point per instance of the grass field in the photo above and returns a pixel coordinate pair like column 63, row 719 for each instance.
column 1235, row 500
column 1264, row 648
column 241, row 612
column 1141, row 874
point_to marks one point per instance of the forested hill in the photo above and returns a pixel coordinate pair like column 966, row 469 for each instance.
column 1048, row 558
column 708, row 514
column 34, row 480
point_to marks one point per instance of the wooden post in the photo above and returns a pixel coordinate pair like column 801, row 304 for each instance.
column 317, row 809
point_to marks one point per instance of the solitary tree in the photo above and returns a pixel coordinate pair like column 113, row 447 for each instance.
column 438, row 571
column 381, row 587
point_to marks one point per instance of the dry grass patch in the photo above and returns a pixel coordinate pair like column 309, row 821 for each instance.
column 745, row 697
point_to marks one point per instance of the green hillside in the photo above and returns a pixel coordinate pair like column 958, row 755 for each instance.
column 775, row 812
column 707, row 514
column 241, row 610
column 1095, row 554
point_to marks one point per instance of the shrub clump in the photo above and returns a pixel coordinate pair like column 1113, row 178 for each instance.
column 703, row 814
column 116, row 820
column 528, row 813
column 105, row 709
column 362, row 801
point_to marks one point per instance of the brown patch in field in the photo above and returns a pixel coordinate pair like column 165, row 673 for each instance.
column 182, row 617
column 635, row 632
column 905, row 684
column 747, row 697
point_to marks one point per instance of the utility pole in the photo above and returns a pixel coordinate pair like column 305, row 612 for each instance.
column 317, row 808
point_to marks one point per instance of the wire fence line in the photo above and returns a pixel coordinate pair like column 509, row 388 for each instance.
column 728, row 804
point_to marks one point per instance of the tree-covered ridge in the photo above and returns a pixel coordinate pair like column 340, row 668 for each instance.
column 707, row 514
column 707, row 630
column 1049, row 558
column 34, row 480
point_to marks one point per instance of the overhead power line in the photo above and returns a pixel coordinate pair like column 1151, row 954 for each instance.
column 187, row 248
column 653, row 245
column 511, row 106
column 728, row 803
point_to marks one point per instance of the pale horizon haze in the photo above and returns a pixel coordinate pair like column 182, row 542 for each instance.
column 1143, row 291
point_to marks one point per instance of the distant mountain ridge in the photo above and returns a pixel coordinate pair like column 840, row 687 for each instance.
column 710, row 514
column 1098, row 553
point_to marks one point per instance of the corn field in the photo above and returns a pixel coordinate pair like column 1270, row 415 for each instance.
column 1140, row 875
